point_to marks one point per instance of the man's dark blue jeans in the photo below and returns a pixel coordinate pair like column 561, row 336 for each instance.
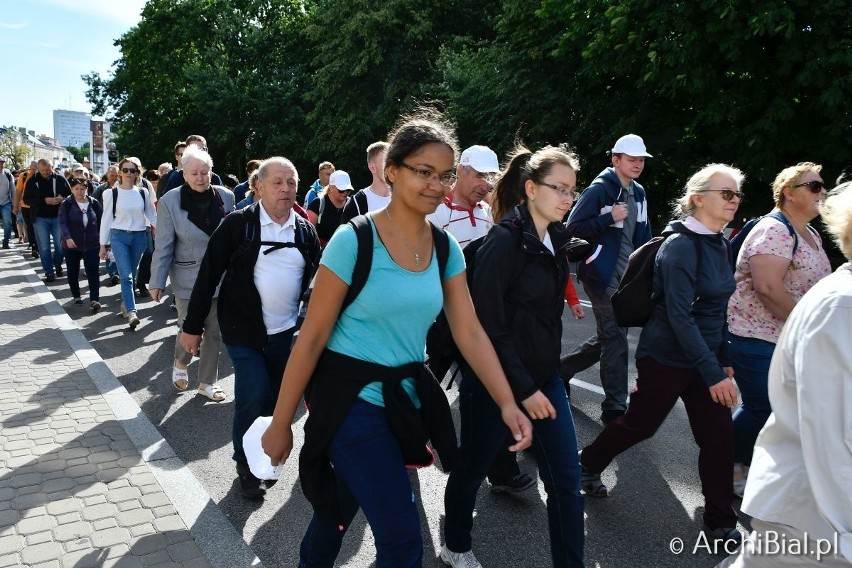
column 257, row 379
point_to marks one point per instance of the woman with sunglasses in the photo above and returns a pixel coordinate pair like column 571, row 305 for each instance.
column 79, row 225
column 362, row 426
column 128, row 211
column 326, row 211
column 682, row 351
column 774, row 269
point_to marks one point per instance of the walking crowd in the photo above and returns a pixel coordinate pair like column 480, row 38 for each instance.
column 448, row 264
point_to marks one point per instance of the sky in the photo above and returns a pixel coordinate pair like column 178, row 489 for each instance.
column 45, row 47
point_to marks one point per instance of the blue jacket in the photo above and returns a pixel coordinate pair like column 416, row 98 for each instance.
column 688, row 328
column 591, row 220
column 71, row 224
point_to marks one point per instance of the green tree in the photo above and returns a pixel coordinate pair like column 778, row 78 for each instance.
column 379, row 60
column 79, row 153
column 12, row 148
column 758, row 85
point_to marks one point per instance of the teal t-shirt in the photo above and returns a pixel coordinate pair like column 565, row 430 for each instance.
column 388, row 321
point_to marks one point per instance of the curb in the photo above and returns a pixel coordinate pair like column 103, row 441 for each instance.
column 217, row 538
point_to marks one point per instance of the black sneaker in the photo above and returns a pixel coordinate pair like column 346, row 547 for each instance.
column 723, row 540
column 78, row 302
column 5, row 244
column 50, row 278
column 34, row 253
column 611, row 414
column 59, row 271
column 250, row 486
column 520, row 482
column 113, row 280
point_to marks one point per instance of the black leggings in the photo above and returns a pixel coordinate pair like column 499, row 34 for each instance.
column 91, row 262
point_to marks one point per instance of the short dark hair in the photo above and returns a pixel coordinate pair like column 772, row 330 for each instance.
column 196, row 138
column 375, row 149
column 180, row 144
column 252, row 165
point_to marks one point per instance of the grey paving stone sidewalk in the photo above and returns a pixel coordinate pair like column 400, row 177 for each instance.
column 74, row 489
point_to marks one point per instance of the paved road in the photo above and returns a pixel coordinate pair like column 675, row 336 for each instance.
column 654, row 491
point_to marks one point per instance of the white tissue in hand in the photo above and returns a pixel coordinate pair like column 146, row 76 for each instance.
column 259, row 463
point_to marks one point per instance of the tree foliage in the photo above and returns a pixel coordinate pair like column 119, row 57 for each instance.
column 79, row 153
column 758, row 85
column 13, row 149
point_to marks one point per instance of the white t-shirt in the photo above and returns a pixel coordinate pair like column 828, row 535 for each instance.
column 374, row 200
column 278, row 275
column 84, row 208
column 462, row 223
column 130, row 214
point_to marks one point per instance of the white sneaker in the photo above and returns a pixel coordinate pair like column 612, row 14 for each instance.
column 459, row 559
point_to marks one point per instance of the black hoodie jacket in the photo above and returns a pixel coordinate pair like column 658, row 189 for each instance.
column 521, row 309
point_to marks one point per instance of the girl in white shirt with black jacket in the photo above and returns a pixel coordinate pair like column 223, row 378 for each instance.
column 128, row 210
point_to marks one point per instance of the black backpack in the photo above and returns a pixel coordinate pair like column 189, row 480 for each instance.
column 115, row 199
column 633, row 302
column 441, row 348
column 739, row 239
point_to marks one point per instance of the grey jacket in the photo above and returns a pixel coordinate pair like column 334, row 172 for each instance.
column 180, row 245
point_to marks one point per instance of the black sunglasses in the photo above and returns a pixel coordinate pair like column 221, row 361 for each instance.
column 815, row 186
column 729, row 194
column 129, row 170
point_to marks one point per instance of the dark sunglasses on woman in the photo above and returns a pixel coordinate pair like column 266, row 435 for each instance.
column 815, row 185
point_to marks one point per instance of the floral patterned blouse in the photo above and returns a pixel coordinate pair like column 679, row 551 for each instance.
column 747, row 316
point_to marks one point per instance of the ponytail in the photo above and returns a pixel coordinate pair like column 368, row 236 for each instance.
column 509, row 188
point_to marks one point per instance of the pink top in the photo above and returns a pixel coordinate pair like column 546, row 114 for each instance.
column 747, row 316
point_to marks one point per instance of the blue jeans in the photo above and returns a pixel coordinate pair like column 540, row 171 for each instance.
column 127, row 248
column 91, row 262
column 371, row 474
column 257, row 379
column 609, row 346
column 6, row 214
column 555, row 449
column 45, row 229
column 750, row 359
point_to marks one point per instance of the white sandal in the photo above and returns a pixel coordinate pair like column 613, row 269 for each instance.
column 179, row 375
column 213, row 392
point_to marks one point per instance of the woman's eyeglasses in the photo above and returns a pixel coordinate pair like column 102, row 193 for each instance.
column 729, row 194
column 815, row 185
column 427, row 176
column 563, row 191
column 129, row 171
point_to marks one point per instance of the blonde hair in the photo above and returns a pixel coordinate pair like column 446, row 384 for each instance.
column 699, row 183
column 788, row 178
column 836, row 213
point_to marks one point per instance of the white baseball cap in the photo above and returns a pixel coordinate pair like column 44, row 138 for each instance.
column 632, row 145
column 481, row 158
column 340, row 180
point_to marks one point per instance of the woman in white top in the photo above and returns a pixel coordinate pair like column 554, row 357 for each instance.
column 799, row 492
column 128, row 210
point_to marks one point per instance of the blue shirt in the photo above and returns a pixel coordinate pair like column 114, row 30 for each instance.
column 388, row 321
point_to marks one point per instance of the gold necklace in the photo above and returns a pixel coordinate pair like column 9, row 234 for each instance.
column 416, row 253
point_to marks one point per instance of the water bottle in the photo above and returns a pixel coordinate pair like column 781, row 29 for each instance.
column 259, row 463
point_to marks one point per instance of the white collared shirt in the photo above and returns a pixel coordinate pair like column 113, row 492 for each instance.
column 461, row 222
column 278, row 275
